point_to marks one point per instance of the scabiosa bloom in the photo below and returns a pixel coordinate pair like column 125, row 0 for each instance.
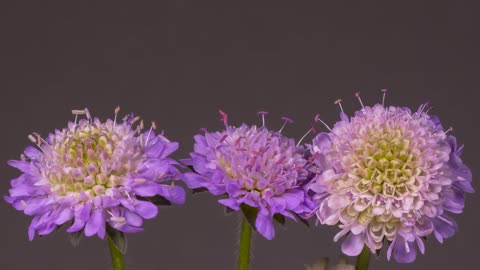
column 254, row 166
column 95, row 173
column 388, row 173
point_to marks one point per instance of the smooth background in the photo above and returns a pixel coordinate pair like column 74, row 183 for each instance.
column 177, row 62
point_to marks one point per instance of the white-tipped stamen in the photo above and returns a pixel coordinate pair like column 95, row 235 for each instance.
column 357, row 94
column 339, row 103
column 317, row 119
column 76, row 113
column 36, row 139
column 152, row 127
column 32, row 138
column 117, row 110
column 88, row 115
column 384, row 91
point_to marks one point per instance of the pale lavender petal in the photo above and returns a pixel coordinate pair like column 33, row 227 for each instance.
column 353, row 244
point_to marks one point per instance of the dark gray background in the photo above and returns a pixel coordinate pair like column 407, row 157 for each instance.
column 177, row 62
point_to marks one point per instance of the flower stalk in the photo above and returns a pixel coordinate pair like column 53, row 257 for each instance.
column 117, row 256
column 363, row 259
column 244, row 249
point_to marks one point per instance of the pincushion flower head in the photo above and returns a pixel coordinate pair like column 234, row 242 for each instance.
column 95, row 175
column 253, row 167
column 388, row 175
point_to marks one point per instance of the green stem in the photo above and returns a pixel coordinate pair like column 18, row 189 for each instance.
column 117, row 256
column 363, row 259
column 245, row 239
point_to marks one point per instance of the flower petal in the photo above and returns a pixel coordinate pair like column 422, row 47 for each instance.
column 264, row 226
column 353, row 244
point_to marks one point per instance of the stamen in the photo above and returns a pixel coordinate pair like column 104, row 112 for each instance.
column 135, row 119
column 446, row 220
column 224, row 118
column 36, row 139
column 222, row 139
column 286, row 121
column 152, row 127
column 263, row 113
column 128, row 196
column 429, row 107
column 39, row 138
column 88, row 115
column 357, row 94
column 384, row 91
column 76, row 113
column 312, row 129
column 339, row 103
column 32, row 138
column 407, row 247
column 317, row 119
column 448, row 130
column 117, row 110
column 422, row 108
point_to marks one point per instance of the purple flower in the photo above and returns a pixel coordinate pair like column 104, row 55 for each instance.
column 389, row 174
column 95, row 173
column 252, row 166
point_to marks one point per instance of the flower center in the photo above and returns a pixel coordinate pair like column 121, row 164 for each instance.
column 91, row 158
column 386, row 165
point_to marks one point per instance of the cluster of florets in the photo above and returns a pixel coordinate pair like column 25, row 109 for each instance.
column 254, row 166
column 95, row 173
column 389, row 174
